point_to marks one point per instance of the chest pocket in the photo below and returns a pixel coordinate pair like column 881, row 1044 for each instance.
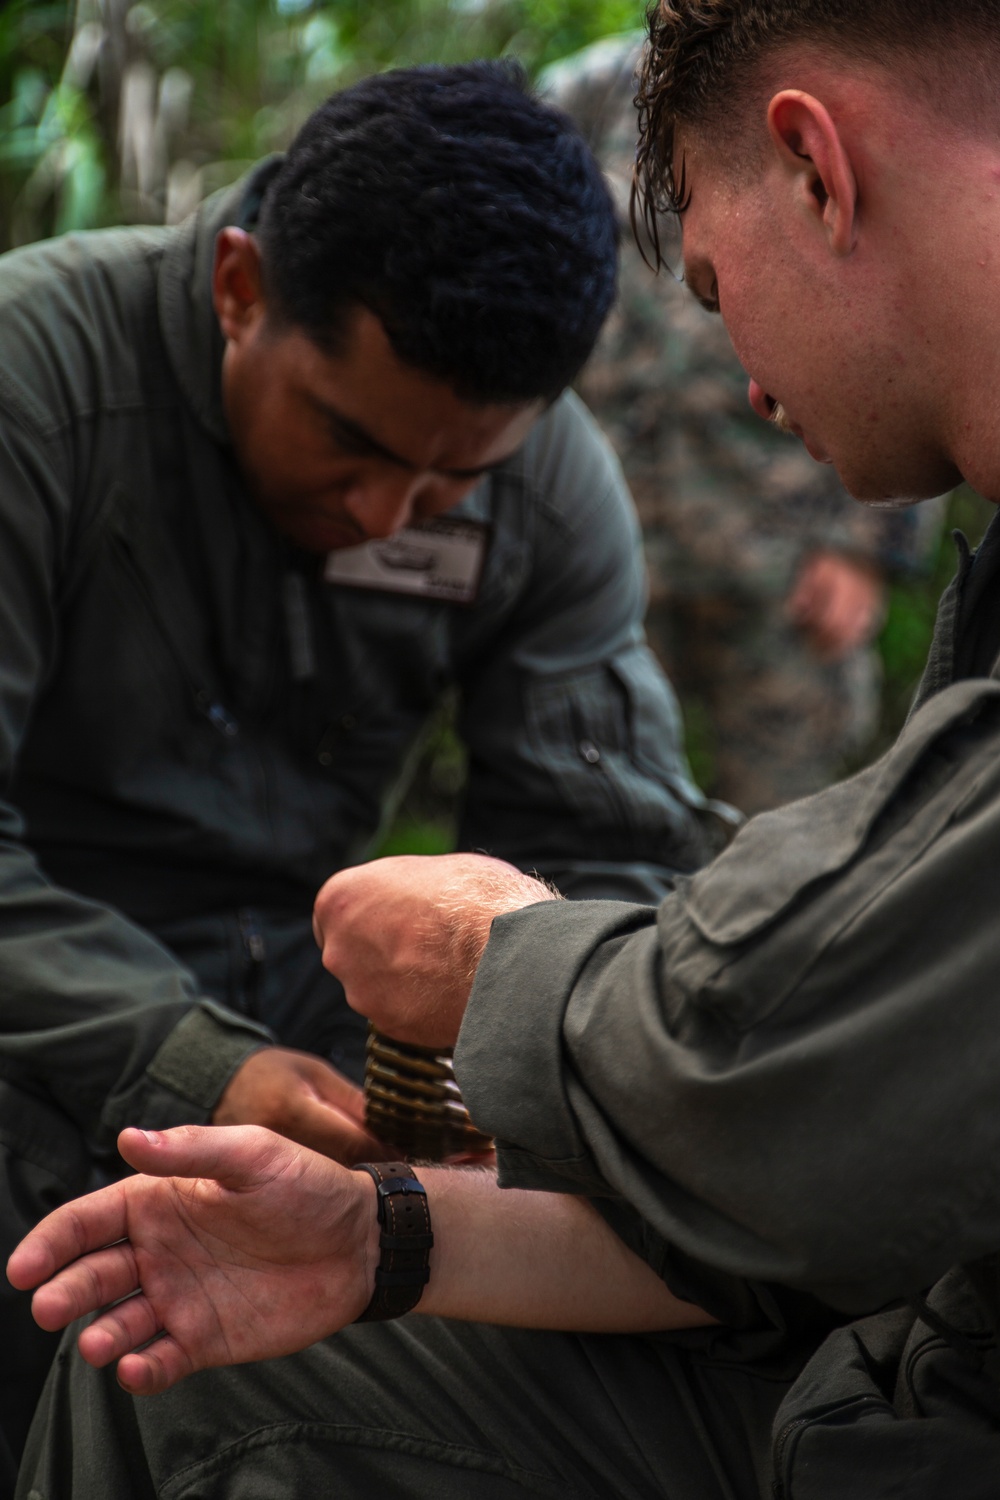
column 135, row 677
column 793, row 878
column 152, row 567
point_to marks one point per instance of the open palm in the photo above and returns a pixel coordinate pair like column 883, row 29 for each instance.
column 235, row 1244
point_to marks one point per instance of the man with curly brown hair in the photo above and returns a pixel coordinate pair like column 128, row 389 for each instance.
column 780, row 1089
column 767, row 581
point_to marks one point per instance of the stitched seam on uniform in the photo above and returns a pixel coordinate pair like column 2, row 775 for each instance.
column 25, row 408
column 18, row 409
column 344, row 1435
column 557, row 518
column 870, row 897
column 39, row 421
column 33, row 1151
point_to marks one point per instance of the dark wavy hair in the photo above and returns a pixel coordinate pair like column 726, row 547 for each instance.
column 704, row 58
column 468, row 216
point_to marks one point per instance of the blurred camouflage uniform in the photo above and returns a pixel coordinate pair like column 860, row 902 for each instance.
column 730, row 507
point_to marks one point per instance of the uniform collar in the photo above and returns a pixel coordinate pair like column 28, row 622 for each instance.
column 971, row 592
column 190, row 327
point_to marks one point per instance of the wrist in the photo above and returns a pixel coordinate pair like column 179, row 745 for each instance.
column 245, row 1100
column 368, row 1235
column 404, row 1240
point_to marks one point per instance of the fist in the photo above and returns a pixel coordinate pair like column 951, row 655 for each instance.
column 404, row 936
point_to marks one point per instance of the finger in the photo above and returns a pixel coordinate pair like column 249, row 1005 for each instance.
column 70, row 1231
column 234, row 1155
column 118, row 1331
column 331, row 888
column 331, row 899
column 90, row 1283
column 323, row 1127
column 155, row 1369
column 333, row 1088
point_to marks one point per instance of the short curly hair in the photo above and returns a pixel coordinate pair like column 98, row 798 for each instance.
column 469, row 216
column 704, row 57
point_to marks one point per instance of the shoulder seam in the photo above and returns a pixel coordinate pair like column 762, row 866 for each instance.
column 558, row 518
column 25, row 408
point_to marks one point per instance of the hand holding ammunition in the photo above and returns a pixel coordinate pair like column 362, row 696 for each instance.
column 404, row 936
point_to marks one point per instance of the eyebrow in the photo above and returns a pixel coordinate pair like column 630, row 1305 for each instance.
column 359, row 437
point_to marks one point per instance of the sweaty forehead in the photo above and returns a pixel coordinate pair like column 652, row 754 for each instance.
column 706, row 176
column 729, row 152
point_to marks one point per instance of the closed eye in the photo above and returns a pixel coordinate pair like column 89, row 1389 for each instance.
column 699, row 278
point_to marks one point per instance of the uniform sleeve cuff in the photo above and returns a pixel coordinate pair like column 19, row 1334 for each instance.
column 187, row 1075
column 510, row 1061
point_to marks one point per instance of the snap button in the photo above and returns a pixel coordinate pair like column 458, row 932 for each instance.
column 590, row 752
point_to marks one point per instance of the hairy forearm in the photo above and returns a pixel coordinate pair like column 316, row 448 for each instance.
column 537, row 1260
column 220, row 1220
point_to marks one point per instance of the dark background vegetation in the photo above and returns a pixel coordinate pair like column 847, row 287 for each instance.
column 117, row 111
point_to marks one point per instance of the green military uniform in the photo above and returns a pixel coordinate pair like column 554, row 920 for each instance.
column 781, row 1090
column 196, row 730
column 729, row 506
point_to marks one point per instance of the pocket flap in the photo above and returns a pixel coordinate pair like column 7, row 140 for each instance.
column 780, row 854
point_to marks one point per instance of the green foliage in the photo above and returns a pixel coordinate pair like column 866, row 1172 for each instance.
column 49, row 149
column 909, row 623
column 426, row 820
column 418, row 836
column 132, row 111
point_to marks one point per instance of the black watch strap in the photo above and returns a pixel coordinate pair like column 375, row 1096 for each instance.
column 405, row 1240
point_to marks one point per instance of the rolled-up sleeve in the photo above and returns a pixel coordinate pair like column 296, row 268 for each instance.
column 789, row 1070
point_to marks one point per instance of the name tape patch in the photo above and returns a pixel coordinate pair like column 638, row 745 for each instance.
column 438, row 559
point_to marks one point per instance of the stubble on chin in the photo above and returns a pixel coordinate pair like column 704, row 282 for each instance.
column 894, row 502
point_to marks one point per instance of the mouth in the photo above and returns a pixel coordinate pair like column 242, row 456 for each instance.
column 313, row 528
column 780, row 418
column 771, row 410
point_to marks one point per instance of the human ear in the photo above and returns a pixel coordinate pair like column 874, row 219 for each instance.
column 813, row 154
column 237, row 292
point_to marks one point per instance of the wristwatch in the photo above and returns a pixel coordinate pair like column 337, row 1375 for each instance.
column 405, row 1240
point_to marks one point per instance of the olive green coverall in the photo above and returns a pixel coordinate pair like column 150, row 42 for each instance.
column 196, row 729
column 781, row 1089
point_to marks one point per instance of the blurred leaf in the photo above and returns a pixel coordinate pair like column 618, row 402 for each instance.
column 906, row 636
column 409, row 836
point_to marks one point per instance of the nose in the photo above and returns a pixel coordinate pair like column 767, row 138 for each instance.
column 762, row 403
column 381, row 507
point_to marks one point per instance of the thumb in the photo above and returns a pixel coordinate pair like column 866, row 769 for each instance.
column 332, row 1087
column 333, row 1132
column 231, row 1154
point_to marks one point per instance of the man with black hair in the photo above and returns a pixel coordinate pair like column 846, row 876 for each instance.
column 779, row 1089
column 213, row 663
